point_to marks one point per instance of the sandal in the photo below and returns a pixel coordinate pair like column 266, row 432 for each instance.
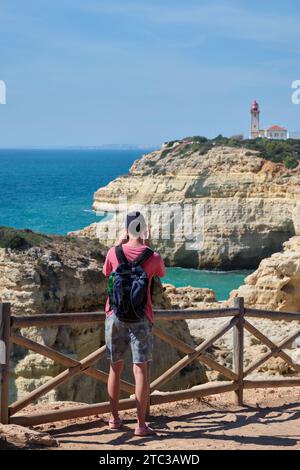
column 144, row 431
column 115, row 423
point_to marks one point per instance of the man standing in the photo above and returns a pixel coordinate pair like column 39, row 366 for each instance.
column 129, row 314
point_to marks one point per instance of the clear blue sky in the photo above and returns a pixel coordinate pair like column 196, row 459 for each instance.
column 88, row 72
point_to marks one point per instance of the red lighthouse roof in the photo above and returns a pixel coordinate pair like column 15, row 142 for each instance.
column 276, row 128
column 255, row 106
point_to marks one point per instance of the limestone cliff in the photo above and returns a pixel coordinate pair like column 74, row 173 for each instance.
column 251, row 205
column 275, row 285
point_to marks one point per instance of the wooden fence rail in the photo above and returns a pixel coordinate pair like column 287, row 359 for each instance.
column 236, row 379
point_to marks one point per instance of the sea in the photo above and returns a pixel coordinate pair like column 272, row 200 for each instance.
column 51, row 191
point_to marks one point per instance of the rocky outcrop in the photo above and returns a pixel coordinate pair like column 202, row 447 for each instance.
column 59, row 274
column 16, row 437
column 251, row 205
column 64, row 274
column 188, row 297
column 275, row 285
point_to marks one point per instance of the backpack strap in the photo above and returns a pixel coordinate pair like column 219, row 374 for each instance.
column 120, row 255
column 143, row 257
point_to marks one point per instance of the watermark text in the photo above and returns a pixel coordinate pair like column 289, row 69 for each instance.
column 296, row 93
column 175, row 222
column 2, row 92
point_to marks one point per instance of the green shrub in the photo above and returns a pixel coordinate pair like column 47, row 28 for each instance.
column 290, row 161
column 170, row 143
column 20, row 239
column 278, row 151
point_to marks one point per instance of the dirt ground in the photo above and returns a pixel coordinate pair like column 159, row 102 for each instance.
column 270, row 420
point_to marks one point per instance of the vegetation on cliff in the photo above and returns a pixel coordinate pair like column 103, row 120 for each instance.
column 21, row 239
column 278, row 151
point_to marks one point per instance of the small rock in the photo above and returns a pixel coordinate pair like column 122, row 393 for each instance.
column 23, row 437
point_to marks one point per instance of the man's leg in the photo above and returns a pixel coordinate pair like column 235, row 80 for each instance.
column 113, row 386
column 141, row 391
column 116, row 341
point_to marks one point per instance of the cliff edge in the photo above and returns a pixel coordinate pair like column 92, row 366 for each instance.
column 250, row 204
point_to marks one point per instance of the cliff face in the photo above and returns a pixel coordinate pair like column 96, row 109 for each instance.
column 64, row 274
column 59, row 275
column 275, row 285
column 250, row 204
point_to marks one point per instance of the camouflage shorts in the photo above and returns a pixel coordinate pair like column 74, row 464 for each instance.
column 119, row 335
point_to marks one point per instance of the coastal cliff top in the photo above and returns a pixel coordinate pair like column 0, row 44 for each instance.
column 198, row 156
column 189, row 168
column 250, row 202
column 186, row 162
column 27, row 241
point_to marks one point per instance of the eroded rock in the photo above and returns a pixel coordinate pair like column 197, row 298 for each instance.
column 250, row 205
column 20, row 437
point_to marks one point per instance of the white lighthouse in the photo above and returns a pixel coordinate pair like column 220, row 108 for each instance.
column 254, row 129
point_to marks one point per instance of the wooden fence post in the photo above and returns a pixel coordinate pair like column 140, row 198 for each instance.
column 4, row 360
column 238, row 349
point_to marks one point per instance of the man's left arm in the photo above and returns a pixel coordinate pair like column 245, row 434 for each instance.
column 161, row 269
column 107, row 267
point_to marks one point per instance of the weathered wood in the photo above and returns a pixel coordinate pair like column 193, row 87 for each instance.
column 53, row 319
column 67, row 361
column 259, row 335
column 171, row 315
column 170, row 373
column 126, row 404
column 33, row 419
column 238, row 349
column 58, row 380
column 4, row 363
column 286, row 316
column 237, row 384
column 271, row 383
column 274, row 351
column 157, row 398
column 203, row 358
column 195, row 392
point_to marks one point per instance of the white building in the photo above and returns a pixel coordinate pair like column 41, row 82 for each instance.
column 272, row 132
column 276, row 132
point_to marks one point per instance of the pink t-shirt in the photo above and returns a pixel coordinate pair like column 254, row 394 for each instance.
column 153, row 266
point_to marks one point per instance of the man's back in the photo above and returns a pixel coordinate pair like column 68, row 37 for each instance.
column 153, row 266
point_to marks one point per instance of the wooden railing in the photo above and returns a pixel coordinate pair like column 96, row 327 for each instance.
column 236, row 378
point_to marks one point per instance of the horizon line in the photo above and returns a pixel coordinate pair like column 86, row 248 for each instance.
column 90, row 147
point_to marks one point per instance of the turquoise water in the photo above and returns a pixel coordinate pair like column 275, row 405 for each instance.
column 51, row 191
column 222, row 282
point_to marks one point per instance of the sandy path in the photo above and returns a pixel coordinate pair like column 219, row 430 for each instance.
column 211, row 424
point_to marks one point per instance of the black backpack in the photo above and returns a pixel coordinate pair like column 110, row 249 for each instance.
column 128, row 287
